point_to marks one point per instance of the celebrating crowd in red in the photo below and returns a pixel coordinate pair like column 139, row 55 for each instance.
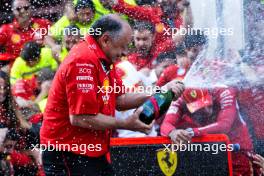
column 55, row 86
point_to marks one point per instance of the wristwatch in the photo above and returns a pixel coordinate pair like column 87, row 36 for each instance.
column 190, row 131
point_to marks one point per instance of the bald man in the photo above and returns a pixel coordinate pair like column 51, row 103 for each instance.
column 80, row 111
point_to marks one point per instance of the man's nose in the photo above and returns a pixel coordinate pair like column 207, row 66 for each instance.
column 140, row 43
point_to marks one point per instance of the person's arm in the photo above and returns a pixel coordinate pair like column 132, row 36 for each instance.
column 103, row 122
column 84, row 107
column 56, row 33
column 131, row 100
column 134, row 100
column 259, row 160
column 172, row 117
column 55, row 48
column 188, row 17
column 225, row 117
column 137, row 12
column 45, row 87
column 163, row 77
column 169, row 125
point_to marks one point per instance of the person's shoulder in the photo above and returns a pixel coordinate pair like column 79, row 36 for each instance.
column 172, row 69
column 40, row 22
column 60, row 24
column 224, row 95
column 224, row 91
column 18, row 67
column 6, row 27
column 81, row 53
column 19, row 62
column 46, row 56
column 63, row 20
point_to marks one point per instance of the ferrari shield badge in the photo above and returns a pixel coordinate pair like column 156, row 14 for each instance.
column 167, row 162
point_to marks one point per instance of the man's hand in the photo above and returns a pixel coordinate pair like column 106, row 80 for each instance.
column 180, row 136
column 259, row 160
column 56, row 50
column 45, row 87
column 133, row 123
column 69, row 12
column 177, row 88
column 111, row 2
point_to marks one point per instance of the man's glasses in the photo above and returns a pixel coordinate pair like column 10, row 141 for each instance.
column 24, row 7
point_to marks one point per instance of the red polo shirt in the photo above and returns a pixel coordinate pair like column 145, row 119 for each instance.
column 75, row 91
column 12, row 37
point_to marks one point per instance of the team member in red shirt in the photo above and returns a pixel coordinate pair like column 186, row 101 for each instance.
column 164, row 17
column 200, row 112
column 24, row 28
column 81, row 106
column 186, row 53
column 146, row 51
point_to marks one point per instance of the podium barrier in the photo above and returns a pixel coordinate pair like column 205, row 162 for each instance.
column 150, row 156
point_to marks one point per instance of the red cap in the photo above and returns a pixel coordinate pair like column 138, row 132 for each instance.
column 197, row 99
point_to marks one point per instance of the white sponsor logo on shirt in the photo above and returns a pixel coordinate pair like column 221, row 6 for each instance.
column 84, row 78
column 84, row 65
column 85, row 88
column 85, row 70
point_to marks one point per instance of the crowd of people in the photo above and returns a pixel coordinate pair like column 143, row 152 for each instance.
column 50, row 73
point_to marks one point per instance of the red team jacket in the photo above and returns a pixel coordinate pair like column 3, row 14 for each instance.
column 226, row 119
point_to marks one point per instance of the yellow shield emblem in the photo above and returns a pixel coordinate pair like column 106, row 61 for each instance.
column 35, row 26
column 167, row 162
column 159, row 27
column 15, row 38
column 106, row 84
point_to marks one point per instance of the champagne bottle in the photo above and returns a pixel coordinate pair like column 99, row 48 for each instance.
column 156, row 106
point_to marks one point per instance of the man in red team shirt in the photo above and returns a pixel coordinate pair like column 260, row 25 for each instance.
column 200, row 112
column 186, row 53
column 164, row 17
column 80, row 111
column 146, row 51
column 24, row 28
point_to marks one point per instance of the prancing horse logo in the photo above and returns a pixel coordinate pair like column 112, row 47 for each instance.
column 167, row 161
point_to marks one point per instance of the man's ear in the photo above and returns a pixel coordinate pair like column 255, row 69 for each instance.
column 104, row 39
